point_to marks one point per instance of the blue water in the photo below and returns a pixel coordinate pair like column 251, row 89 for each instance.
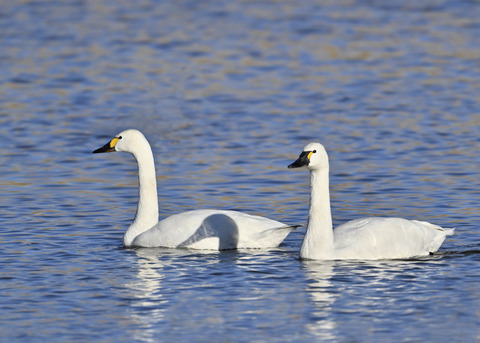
column 228, row 93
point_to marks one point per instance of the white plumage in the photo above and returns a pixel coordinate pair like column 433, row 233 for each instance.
column 367, row 238
column 214, row 230
column 200, row 229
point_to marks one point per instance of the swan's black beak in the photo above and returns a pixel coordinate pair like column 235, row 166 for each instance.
column 109, row 147
column 302, row 160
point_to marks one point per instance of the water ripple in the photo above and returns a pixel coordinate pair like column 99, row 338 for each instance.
column 228, row 94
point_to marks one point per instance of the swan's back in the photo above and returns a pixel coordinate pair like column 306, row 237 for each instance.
column 387, row 238
column 215, row 230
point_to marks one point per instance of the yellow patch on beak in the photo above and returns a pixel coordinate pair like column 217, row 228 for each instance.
column 309, row 155
column 113, row 142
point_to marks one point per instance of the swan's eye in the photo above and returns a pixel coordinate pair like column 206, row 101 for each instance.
column 314, row 151
column 119, row 137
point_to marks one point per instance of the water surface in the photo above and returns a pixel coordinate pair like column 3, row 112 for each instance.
column 228, row 93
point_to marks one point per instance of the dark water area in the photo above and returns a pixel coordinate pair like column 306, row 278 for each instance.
column 228, row 93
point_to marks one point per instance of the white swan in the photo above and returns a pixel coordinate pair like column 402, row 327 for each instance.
column 367, row 238
column 200, row 229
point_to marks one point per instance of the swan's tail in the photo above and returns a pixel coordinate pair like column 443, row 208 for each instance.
column 443, row 230
column 440, row 238
column 449, row 231
column 279, row 232
column 437, row 235
column 289, row 227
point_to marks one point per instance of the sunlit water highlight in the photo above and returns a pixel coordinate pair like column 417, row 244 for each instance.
column 228, row 94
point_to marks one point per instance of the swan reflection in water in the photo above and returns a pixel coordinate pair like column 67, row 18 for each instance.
column 148, row 303
column 320, row 288
column 359, row 298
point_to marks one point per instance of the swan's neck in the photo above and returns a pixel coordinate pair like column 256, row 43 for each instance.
column 147, row 210
column 318, row 240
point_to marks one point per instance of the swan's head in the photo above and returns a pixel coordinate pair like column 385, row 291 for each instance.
column 313, row 156
column 127, row 141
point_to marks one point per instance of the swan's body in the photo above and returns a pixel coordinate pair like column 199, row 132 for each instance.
column 367, row 238
column 200, row 229
column 214, row 230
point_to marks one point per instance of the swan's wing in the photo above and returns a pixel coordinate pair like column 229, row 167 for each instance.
column 388, row 238
column 173, row 231
column 214, row 229
column 350, row 232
